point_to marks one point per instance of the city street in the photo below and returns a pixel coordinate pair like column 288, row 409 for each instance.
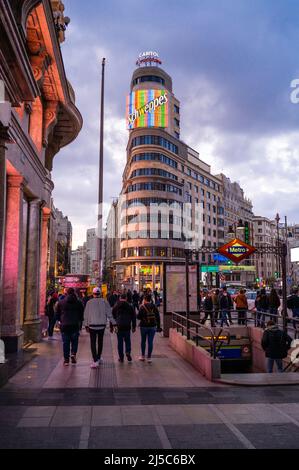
column 163, row 405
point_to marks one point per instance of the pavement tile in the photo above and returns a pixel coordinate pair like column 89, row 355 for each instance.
column 106, row 416
column 271, row 436
column 252, row 413
column 124, row 437
column 200, row 414
column 40, row 438
column 202, row 436
column 39, row 412
column 69, row 416
column 137, row 415
column 34, row 422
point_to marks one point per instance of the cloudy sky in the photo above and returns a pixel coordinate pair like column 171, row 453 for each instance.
column 232, row 63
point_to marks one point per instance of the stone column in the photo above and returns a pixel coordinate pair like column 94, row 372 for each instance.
column 32, row 324
column 11, row 328
column 44, row 260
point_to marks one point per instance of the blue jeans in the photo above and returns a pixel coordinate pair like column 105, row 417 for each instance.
column 147, row 334
column 270, row 364
column 296, row 315
column 124, row 337
column 224, row 314
column 70, row 344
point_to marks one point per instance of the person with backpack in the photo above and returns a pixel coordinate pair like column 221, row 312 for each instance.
column 149, row 317
column 276, row 344
column 70, row 315
column 125, row 320
column 241, row 307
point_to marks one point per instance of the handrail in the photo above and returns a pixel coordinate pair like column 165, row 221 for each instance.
column 214, row 342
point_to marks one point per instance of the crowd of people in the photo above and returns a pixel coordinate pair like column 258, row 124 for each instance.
column 217, row 305
column 120, row 310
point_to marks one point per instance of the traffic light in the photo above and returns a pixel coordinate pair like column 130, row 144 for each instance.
column 257, row 279
column 276, row 275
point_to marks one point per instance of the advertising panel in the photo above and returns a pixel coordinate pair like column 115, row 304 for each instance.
column 176, row 289
column 147, row 108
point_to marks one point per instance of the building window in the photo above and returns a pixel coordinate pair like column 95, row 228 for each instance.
column 177, row 135
column 158, row 157
column 153, row 172
column 155, row 140
column 176, row 109
column 177, row 122
column 149, row 78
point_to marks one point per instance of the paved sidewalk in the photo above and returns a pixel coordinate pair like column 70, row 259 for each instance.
column 162, row 405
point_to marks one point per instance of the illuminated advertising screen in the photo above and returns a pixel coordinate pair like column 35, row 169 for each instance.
column 147, row 108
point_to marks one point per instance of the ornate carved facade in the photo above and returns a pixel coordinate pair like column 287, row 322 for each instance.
column 38, row 117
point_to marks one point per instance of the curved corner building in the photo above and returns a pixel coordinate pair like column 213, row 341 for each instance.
column 162, row 176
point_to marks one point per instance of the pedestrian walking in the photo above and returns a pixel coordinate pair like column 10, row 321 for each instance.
column 293, row 304
column 262, row 306
column 276, row 344
column 69, row 313
column 225, row 306
column 216, row 304
column 230, row 303
column 241, row 307
column 274, row 304
column 149, row 317
column 208, row 309
column 125, row 321
column 51, row 314
column 97, row 313
column 136, row 300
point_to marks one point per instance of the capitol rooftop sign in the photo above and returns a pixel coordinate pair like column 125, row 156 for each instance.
column 148, row 58
column 236, row 250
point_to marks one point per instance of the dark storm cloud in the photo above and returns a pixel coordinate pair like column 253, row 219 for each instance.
column 232, row 63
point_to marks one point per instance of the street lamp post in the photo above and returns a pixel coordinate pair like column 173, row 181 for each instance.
column 277, row 218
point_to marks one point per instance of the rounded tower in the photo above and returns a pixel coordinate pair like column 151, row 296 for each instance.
column 153, row 190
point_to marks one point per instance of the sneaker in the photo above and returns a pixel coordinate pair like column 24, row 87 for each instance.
column 100, row 361
column 129, row 357
column 149, row 360
column 74, row 359
column 66, row 362
column 94, row 365
column 142, row 358
column 121, row 360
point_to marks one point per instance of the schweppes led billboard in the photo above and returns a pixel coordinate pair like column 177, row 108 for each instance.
column 147, row 108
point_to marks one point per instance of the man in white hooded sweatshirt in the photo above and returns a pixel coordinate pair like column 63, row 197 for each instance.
column 97, row 313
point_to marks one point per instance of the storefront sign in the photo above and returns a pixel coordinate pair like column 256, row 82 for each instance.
column 236, row 250
column 227, row 269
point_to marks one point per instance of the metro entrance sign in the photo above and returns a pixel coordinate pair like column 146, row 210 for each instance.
column 236, row 250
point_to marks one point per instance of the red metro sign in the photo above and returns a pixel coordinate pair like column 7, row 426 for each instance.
column 236, row 250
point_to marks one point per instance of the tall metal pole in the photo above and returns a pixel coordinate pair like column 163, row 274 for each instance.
column 187, row 294
column 283, row 255
column 101, row 173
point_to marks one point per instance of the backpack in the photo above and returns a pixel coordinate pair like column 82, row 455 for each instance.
column 150, row 318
